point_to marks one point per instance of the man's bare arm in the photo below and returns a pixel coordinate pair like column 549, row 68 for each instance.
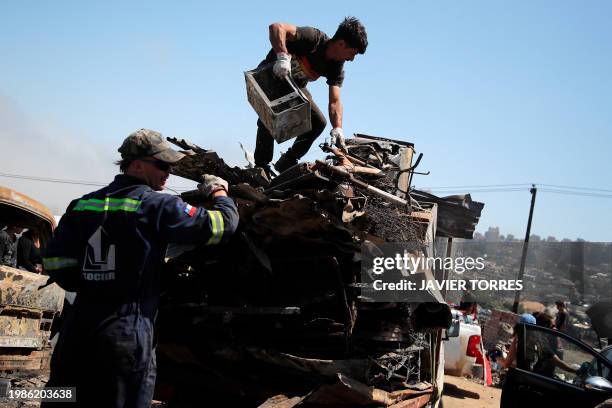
column 279, row 34
column 563, row 365
column 507, row 362
column 335, row 107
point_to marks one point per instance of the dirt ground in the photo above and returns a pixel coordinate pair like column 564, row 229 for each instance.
column 23, row 379
column 460, row 392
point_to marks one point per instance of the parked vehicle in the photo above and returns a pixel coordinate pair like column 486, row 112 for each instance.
column 596, row 370
column 26, row 313
column 556, row 370
column 464, row 354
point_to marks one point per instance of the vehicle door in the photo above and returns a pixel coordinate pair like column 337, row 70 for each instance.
column 555, row 369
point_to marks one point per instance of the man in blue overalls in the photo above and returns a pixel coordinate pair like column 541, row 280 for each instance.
column 109, row 247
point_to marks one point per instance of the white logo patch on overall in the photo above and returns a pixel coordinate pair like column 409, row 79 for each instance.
column 99, row 263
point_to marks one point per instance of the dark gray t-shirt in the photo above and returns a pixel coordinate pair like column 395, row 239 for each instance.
column 8, row 250
column 308, row 61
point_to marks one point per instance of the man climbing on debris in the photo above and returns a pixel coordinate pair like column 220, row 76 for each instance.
column 306, row 54
column 109, row 248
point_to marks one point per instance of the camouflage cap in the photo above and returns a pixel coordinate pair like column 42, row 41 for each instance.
column 146, row 142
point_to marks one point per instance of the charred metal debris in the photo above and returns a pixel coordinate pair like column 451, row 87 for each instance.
column 276, row 318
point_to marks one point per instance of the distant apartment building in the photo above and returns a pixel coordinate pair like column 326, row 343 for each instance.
column 492, row 234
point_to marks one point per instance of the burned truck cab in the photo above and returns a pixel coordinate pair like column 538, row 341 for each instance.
column 26, row 313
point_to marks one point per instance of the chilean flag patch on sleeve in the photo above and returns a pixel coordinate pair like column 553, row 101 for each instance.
column 189, row 210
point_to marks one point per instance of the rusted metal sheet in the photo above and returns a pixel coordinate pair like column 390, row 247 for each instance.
column 281, row 401
column 29, row 360
column 417, row 402
column 347, row 392
column 457, row 215
column 26, row 312
column 201, row 161
column 20, row 289
column 20, row 331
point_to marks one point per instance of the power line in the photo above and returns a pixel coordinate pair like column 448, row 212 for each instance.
column 544, row 190
column 53, row 180
column 510, row 186
column 502, row 188
column 499, row 190
column 576, row 188
column 479, row 186
column 485, row 188
column 74, row 182
column 577, row 193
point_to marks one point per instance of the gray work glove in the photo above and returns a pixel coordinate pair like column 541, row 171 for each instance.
column 336, row 137
column 282, row 66
column 211, row 184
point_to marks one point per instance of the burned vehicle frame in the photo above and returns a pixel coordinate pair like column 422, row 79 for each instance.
column 277, row 318
column 26, row 313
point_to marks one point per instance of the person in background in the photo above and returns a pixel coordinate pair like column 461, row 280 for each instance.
column 28, row 252
column 562, row 317
column 548, row 358
column 510, row 358
column 470, row 312
column 561, row 323
column 539, row 352
column 8, row 245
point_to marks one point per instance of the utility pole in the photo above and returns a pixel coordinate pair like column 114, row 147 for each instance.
column 517, row 294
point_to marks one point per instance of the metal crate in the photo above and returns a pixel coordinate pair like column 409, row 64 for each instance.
column 280, row 104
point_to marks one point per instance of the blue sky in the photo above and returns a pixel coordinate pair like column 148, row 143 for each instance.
column 490, row 92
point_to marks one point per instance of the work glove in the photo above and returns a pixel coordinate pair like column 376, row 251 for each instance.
column 212, row 184
column 282, row 66
column 337, row 138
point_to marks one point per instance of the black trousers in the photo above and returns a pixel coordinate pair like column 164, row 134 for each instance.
column 264, row 148
column 111, row 364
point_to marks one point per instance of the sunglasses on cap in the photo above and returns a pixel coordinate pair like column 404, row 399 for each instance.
column 161, row 165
